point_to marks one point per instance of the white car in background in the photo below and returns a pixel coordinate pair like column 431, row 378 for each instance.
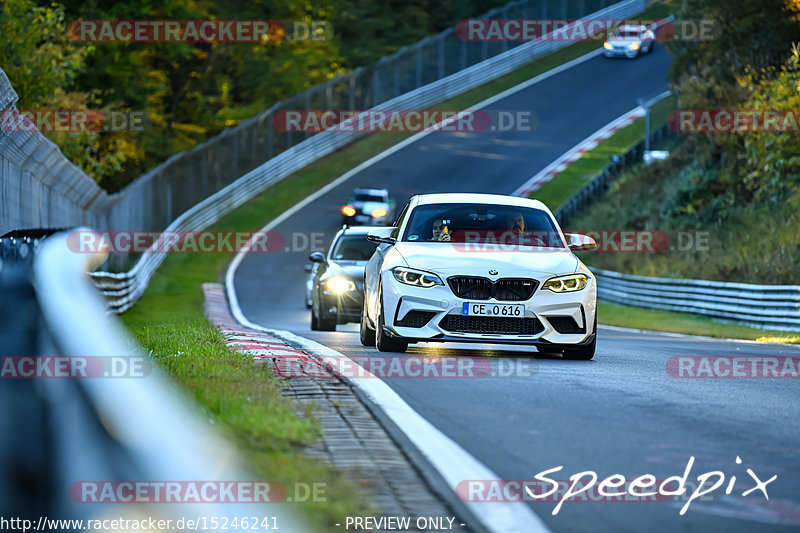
column 479, row 268
column 629, row 41
column 368, row 207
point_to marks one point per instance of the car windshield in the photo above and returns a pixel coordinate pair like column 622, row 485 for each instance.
column 482, row 223
column 365, row 197
column 353, row 248
column 628, row 34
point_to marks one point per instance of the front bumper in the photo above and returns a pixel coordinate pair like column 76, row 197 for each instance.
column 620, row 52
column 344, row 307
column 435, row 314
column 365, row 220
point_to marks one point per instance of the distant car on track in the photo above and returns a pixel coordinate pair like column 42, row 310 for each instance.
column 368, row 207
column 479, row 268
column 629, row 41
column 335, row 281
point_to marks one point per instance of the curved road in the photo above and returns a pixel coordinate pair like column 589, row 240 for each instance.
column 620, row 413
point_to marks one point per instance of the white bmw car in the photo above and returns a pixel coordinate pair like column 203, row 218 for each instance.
column 479, row 268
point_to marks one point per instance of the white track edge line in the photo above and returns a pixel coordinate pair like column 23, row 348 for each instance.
column 452, row 462
column 495, row 516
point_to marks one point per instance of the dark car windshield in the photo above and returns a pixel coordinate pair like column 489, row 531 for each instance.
column 361, row 197
column 629, row 34
column 353, row 248
column 482, row 223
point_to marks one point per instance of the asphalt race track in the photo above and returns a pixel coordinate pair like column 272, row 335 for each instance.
column 621, row 413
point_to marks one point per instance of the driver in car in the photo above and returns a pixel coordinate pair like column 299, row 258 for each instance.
column 440, row 231
column 516, row 232
column 515, row 222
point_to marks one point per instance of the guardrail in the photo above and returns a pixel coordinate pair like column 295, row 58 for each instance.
column 123, row 289
column 595, row 188
column 63, row 431
column 762, row 306
column 41, row 188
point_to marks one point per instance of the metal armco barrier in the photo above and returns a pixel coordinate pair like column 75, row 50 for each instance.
column 595, row 188
column 123, row 289
column 137, row 428
column 762, row 306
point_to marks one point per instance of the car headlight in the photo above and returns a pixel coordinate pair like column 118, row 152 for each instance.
column 378, row 213
column 339, row 284
column 607, row 45
column 348, row 211
column 574, row 282
column 417, row 278
column 633, row 46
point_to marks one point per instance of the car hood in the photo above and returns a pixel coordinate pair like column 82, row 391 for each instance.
column 369, row 207
column 451, row 259
column 624, row 42
column 351, row 269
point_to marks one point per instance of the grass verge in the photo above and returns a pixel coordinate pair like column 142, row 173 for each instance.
column 239, row 396
column 568, row 182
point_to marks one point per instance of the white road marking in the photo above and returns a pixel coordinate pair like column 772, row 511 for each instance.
column 451, row 461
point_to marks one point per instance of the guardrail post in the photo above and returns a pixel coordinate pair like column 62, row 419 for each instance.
column 396, row 75
column 441, row 65
column 351, row 96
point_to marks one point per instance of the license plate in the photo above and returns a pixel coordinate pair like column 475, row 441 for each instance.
column 502, row 310
column 362, row 218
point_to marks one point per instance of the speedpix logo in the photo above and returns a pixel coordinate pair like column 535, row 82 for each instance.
column 586, row 486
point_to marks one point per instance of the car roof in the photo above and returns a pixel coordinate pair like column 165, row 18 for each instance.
column 359, row 230
column 360, row 190
column 479, row 198
column 631, row 27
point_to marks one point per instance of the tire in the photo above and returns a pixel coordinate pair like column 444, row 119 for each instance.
column 383, row 342
column 586, row 351
column 366, row 334
column 321, row 324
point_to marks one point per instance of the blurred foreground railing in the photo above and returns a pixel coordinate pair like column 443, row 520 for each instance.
column 60, row 431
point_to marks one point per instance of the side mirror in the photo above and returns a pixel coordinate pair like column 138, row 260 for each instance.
column 382, row 235
column 580, row 243
column 308, row 268
column 382, row 240
column 316, row 257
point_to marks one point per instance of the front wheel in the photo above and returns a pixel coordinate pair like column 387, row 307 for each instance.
column 383, row 342
column 366, row 334
column 321, row 324
column 584, row 352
